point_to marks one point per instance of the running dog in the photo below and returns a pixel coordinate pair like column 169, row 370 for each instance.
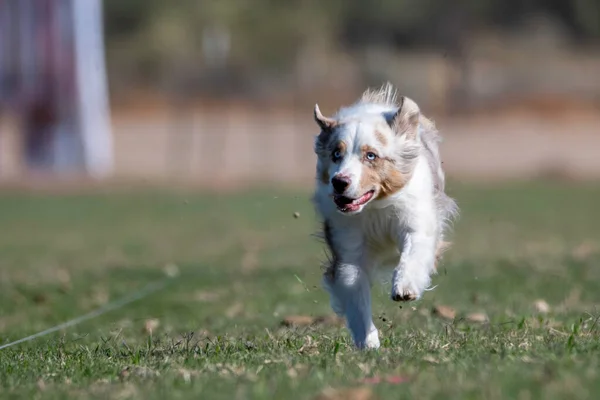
column 380, row 196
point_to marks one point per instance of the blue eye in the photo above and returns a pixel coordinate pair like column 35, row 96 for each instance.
column 371, row 156
column 337, row 155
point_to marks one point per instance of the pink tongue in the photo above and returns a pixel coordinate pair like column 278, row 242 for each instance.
column 362, row 198
column 356, row 203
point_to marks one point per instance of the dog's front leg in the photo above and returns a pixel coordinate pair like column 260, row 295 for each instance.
column 412, row 275
column 348, row 283
column 349, row 288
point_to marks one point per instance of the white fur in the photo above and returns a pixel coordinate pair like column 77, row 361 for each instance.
column 402, row 231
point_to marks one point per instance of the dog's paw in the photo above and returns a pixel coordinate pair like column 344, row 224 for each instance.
column 401, row 295
column 371, row 342
column 408, row 288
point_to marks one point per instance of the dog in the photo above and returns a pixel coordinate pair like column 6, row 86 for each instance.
column 381, row 201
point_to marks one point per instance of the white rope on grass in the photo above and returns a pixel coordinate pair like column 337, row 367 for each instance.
column 123, row 301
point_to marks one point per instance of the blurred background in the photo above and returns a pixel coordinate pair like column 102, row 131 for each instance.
column 221, row 92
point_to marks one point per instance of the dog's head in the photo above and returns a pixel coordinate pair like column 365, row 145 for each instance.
column 367, row 152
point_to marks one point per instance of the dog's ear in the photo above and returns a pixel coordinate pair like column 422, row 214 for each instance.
column 405, row 121
column 326, row 124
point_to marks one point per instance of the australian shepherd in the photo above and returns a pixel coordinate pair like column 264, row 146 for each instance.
column 380, row 196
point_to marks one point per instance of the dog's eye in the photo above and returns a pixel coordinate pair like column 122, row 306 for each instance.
column 336, row 155
column 371, row 156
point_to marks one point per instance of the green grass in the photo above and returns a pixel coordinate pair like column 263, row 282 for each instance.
column 245, row 263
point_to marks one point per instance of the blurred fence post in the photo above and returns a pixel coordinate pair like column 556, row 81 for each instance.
column 52, row 74
column 92, row 90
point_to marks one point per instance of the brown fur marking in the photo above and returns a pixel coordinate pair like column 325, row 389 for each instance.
column 341, row 146
column 381, row 138
column 381, row 173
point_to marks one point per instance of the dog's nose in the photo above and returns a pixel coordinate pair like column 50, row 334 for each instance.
column 340, row 183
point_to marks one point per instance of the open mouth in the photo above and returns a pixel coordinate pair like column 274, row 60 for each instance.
column 346, row 204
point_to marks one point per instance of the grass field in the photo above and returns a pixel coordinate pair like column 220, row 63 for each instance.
column 525, row 262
